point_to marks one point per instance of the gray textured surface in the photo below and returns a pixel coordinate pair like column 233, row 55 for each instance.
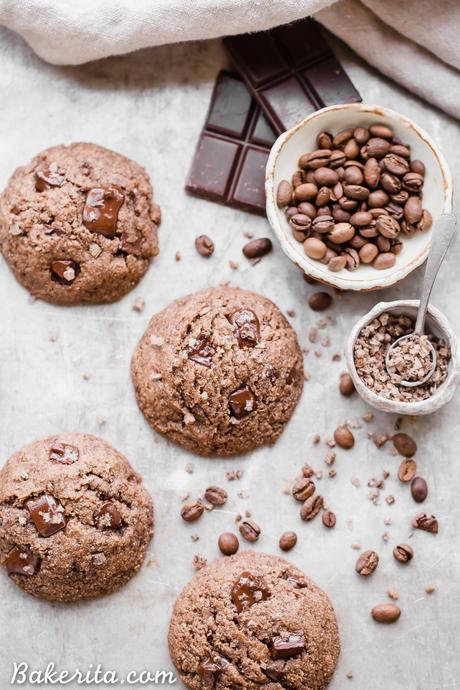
column 151, row 106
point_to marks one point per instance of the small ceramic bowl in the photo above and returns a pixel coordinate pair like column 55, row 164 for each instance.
column 282, row 163
column 438, row 325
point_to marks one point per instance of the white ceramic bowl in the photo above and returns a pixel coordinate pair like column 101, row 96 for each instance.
column 437, row 324
column 282, row 163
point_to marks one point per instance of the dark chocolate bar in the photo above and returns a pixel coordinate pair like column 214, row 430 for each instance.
column 291, row 72
column 230, row 159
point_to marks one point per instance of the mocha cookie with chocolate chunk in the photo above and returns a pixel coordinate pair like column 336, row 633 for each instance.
column 253, row 621
column 78, row 224
column 219, row 371
column 75, row 519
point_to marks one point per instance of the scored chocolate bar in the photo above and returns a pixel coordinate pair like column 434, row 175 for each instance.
column 291, row 72
column 232, row 152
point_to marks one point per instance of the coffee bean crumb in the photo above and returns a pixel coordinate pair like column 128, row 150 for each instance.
column 101, row 420
column 178, row 256
column 199, row 561
column 290, row 312
column 356, row 546
column 248, row 234
column 336, row 357
column 139, row 305
column 86, row 376
column 330, row 457
column 350, row 675
column 234, row 474
column 385, row 536
column 185, row 497
column 430, row 589
column 390, row 499
column 332, row 473
column 234, row 265
column 356, row 482
column 194, row 537
column 316, row 439
column 393, row 594
column 368, row 417
column 53, row 337
column 189, row 467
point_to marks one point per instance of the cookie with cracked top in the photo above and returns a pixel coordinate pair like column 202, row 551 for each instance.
column 219, row 371
column 253, row 620
column 78, row 224
column 75, row 519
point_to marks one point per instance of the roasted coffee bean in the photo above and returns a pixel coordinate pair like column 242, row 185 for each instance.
column 418, row 167
column 326, row 177
column 329, row 255
column 353, row 175
column 228, row 543
column 413, row 181
column 340, row 215
column 377, row 212
column 337, row 192
column 360, row 219
column 342, row 137
column 314, row 248
column 287, row 541
column 367, row 563
column 324, row 210
column 255, row 249
column 284, row 193
column 372, row 173
column 337, row 159
column 368, row 252
column 298, row 178
column 352, row 258
column 306, row 208
column 306, row 192
column 348, row 204
column 390, row 183
column 386, row 613
column 329, row 519
column 378, row 199
column 192, row 511
column 341, row 233
column 382, row 131
column 425, row 222
column 303, row 488
column 370, row 232
column 311, row 507
column 388, row 227
column 403, row 553
column 216, row 495
column 20, row 560
column 300, row 223
column 413, row 210
column 319, row 301
column 322, row 224
column 396, row 246
column 204, row 245
column 356, row 192
column 377, row 147
column 287, row 646
column 425, row 522
column 400, row 150
column 351, row 149
column 324, row 140
column 396, row 165
column 64, row 271
column 405, row 445
column 357, row 242
column 249, row 530
column 336, row 263
column 316, row 159
column 419, row 489
column 400, row 198
column 362, row 135
column 248, row 590
column 407, row 470
column 344, row 438
column 395, row 210
column 323, row 197
column 346, row 385
column 383, row 261
column 290, row 211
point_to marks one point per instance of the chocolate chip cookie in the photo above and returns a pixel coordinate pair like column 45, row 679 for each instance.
column 75, row 519
column 251, row 621
column 219, row 371
column 78, row 224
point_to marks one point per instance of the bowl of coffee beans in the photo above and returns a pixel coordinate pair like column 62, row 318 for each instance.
column 352, row 194
column 380, row 382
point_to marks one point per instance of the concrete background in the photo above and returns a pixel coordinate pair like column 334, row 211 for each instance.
column 151, row 106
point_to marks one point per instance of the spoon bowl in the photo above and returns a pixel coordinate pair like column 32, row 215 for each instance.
column 418, row 382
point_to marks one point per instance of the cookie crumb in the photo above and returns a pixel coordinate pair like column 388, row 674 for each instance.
column 139, row 305
column 199, row 561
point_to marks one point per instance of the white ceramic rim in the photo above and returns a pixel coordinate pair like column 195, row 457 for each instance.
column 444, row 393
column 335, row 280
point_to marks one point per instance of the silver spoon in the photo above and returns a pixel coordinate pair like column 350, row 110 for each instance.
column 442, row 237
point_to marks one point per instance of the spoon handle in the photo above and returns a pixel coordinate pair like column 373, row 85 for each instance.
column 442, row 237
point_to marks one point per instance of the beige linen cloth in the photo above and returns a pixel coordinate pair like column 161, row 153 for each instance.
column 414, row 42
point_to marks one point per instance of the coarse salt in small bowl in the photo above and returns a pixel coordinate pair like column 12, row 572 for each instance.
column 300, row 139
column 437, row 325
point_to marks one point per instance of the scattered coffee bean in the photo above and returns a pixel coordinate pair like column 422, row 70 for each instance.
column 216, row 495
column 204, row 245
column 403, row 553
column 311, row 507
column 367, row 563
column 346, row 385
column 303, row 488
column 287, row 541
column 405, row 445
column 228, row 543
column 249, row 530
column 329, row 519
column 419, row 489
column 407, row 470
column 344, row 438
column 256, row 249
column 192, row 511
column 386, row 613
column 319, row 301
column 425, row 522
